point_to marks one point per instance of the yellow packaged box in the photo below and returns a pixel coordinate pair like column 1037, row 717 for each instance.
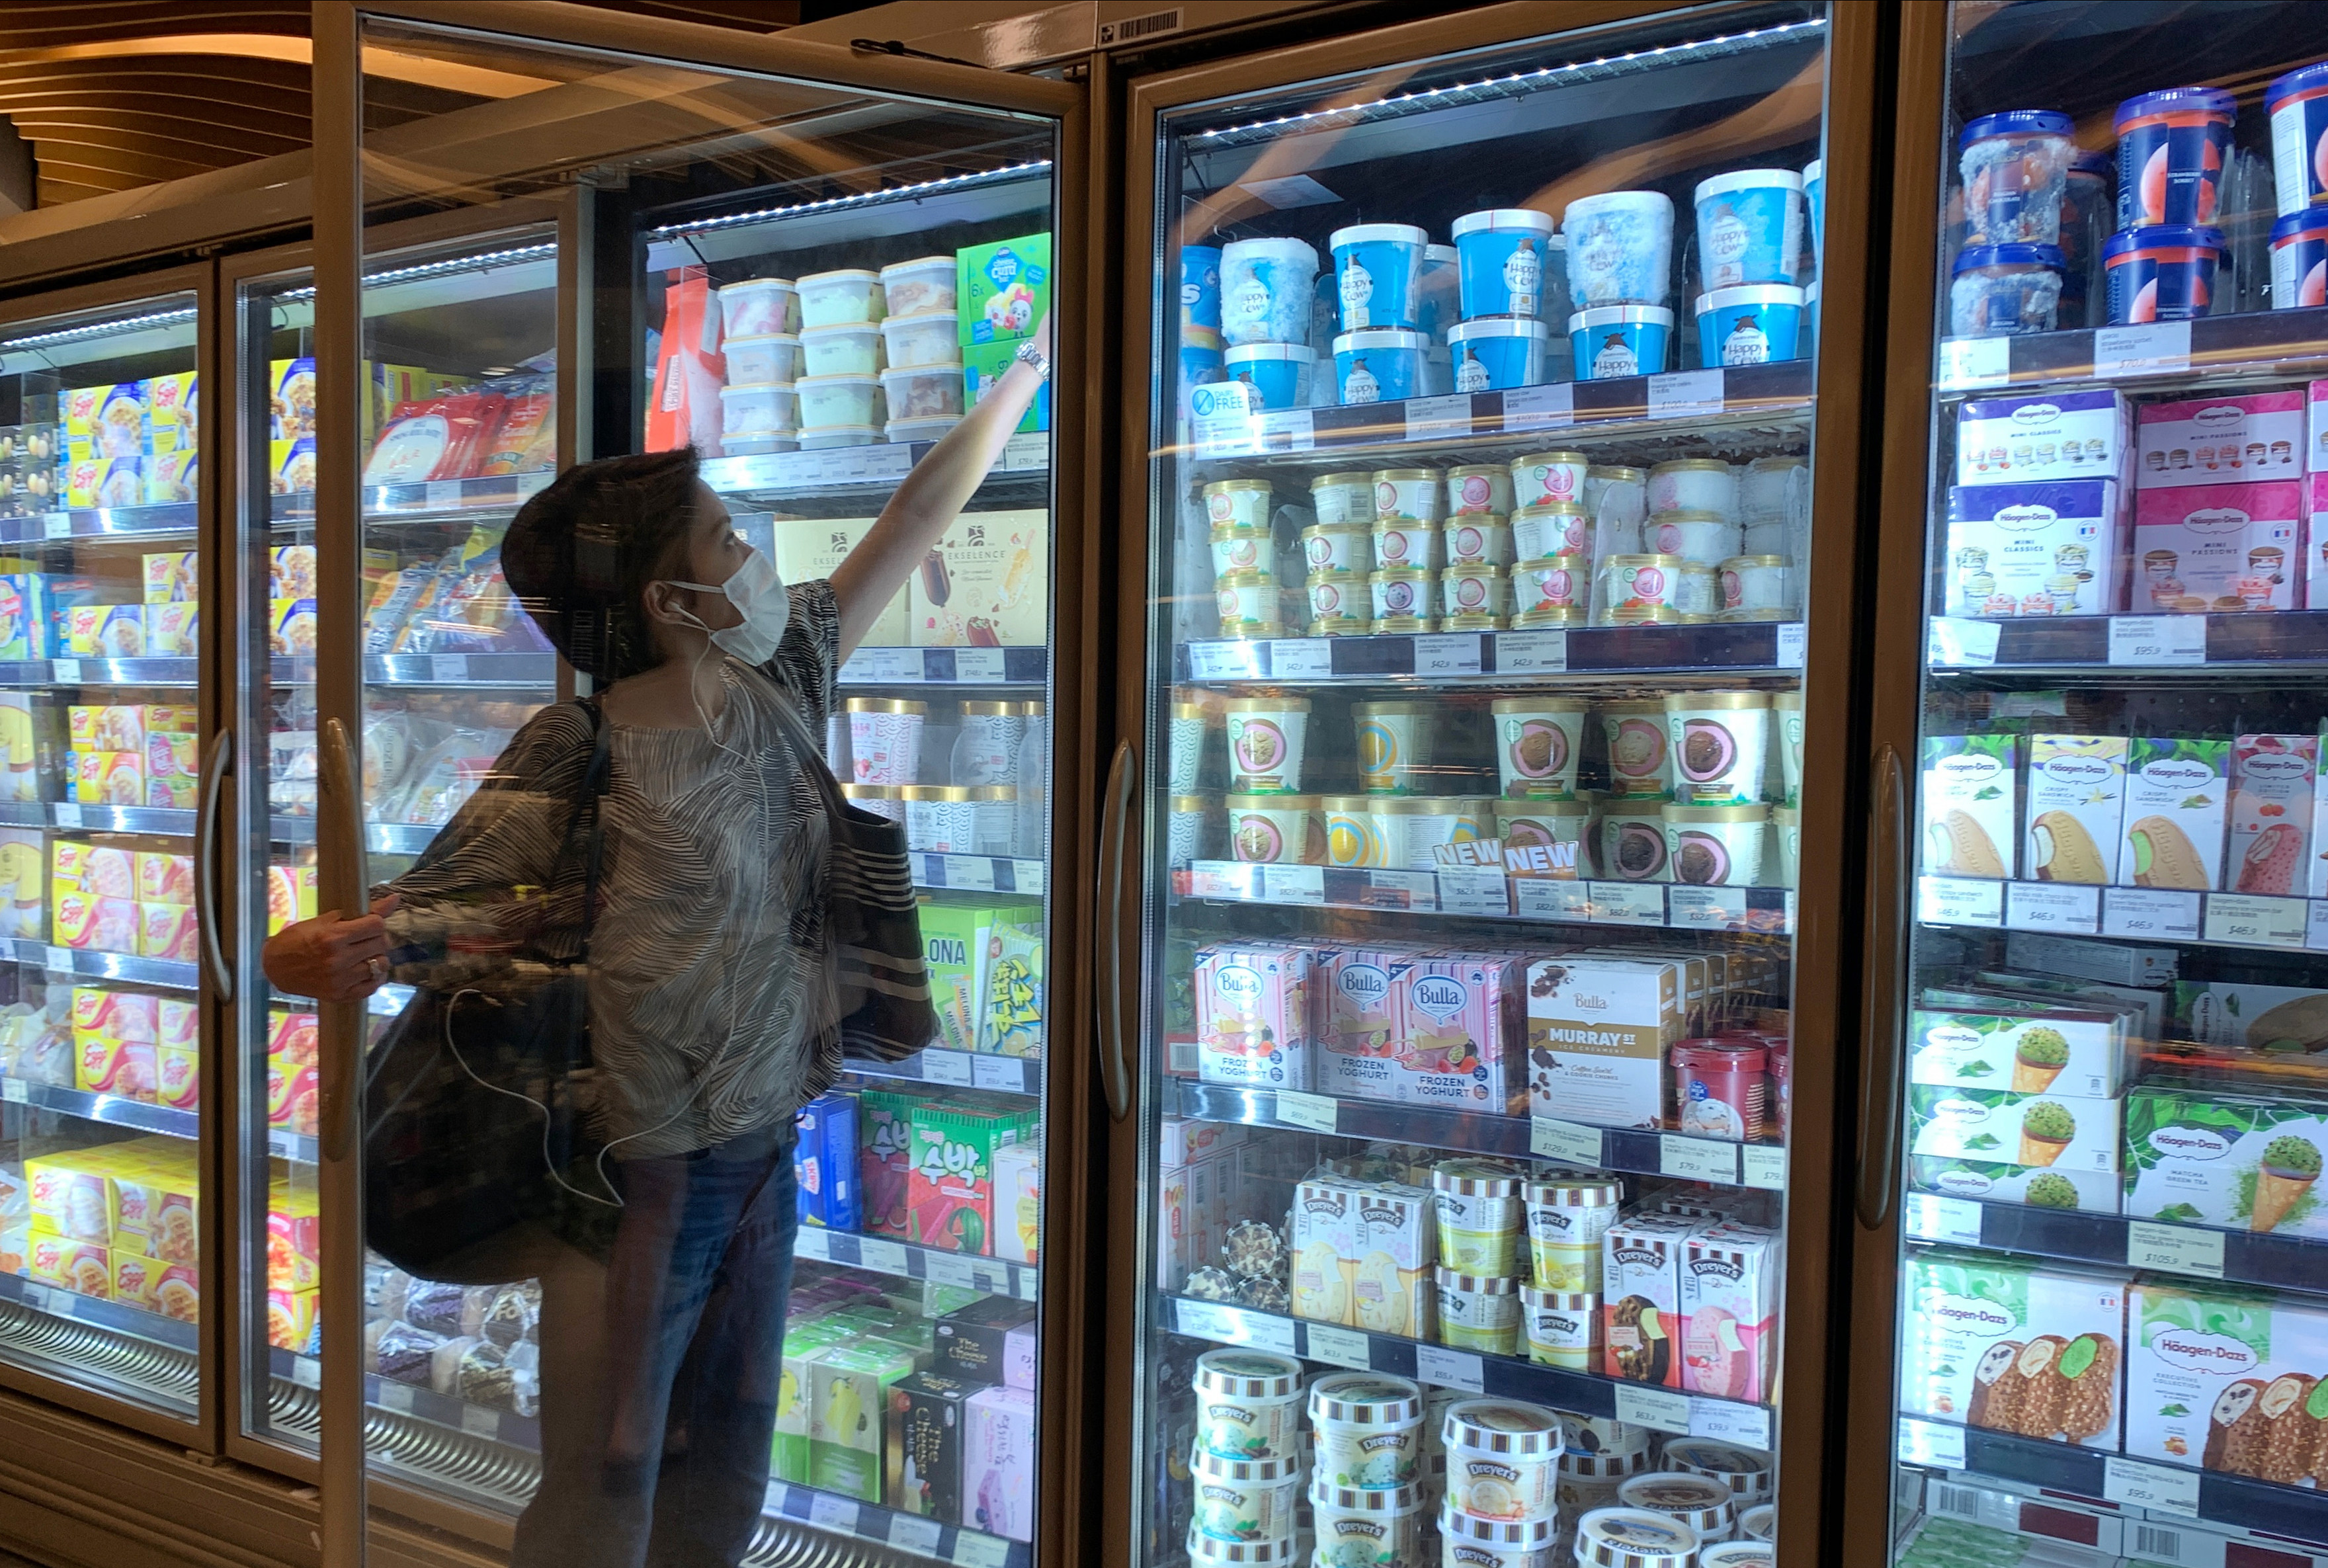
column 84, row 1268
column 99, row 924
column 169, row 576
column 109, row 778
column 174, row 411
column 291, row 627
column 172, row 479
column 986, row 585
column 294, row 1239
column 173, row 629
column 291, row 1320
column 166, row 1198
column 290, row 895
column 292, row 571
column 809, row 549
column 108, row 421
column 163, row 877
column 105, row 630
column 172, row 1289
column 71, row 1194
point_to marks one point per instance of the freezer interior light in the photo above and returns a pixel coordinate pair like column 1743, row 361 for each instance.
column 864, row 199
column 482, row 262
column 98, row 329
column 1517, row 82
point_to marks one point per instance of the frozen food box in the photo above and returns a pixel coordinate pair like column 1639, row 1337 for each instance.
column 173, row 631
column 26, row 733
column 986, row 584
column 805, row 1343
column 2066, row 436
column 294, row 1239
column 2316, row 426
column 106, row 1065
column 1461, row 1022
column 1010, row 1021
column 2210, row 1156
column 25, row 618
column 109, row 778
column 1730, row 1309
column 294, row 1321
column 23, row 891
column 173, row 576
column 953, row 952
column 108, row 421
column 106, row 482
column 2012, row 1346
column 1970, row 786
column 1254, row 1015
column 1323, row 1234
column 1394, row 1240
column 2270, row 818
column 2036, row 549
column 2082, row 1054
column 848, row 1392
column 1002, row 290
column 97, row 925
column 997, row 1465
column 71, row 1194
column 985, row 364
column 824, row 1163
column 2227, row 1380
column 84, row 1268
column 885, row 1160
column 2142, row 1009
column 1598, row 1031
column 121, row 1015
column 808, row 549
column 1018, row 1203
column 2113, row 962
column 2315, row 541
column 2227, row 440
column 924, row 1445
column 1356, row 1048
column 2075, row 808
column 949, row 1191
column 2218, row 547
column 1642, row 1316
column 293, row 398
column 2316, row 874
column 2032, row 1130
column 2035, row 1186
column 1194, row 1203
column 172, row 479
column 174, row 412
column 2177, row 793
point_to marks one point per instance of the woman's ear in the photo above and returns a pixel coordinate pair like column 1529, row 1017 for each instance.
column 659, row 602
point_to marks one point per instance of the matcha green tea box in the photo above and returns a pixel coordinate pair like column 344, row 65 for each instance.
column 2199, row 1157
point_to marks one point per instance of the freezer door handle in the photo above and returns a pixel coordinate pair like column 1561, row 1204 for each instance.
column 1114, row 1070
column 1887, row 949
column 215, row 768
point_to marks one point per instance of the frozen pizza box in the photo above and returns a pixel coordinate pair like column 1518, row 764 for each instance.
column 1970, row 793
column 2176, row 792
column 2032, row 1186
column 2228, row 1380
column 2048, row 1052
column 2244, row 1162
column 2051, row 1130
column 2076, row 803
column 2237, row 1016
column 2012, row 1346
column 2271, row 813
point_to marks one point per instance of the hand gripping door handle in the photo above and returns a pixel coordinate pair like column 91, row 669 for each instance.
column 340, row 840
column 1882, row 1048
column 215, row 768
column 1114, row 1070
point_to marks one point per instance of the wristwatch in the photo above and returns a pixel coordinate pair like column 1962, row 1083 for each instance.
column 1028, row 354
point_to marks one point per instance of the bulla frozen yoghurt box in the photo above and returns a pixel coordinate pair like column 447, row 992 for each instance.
column 1970, row 790
column 2049, row 1052
column 1423, row 1029
column 2232, row 440
column 2227, row 1380
column 2177, row 792
column 2218, row 547
column 2068, row 436
column 2044, row 549
column 1598, row 1031
column 1254, row 1014
column 2051, row 1130
column 2076, row 801
column 2270, row 834
column 2242, row 1162
column 2013, row 1346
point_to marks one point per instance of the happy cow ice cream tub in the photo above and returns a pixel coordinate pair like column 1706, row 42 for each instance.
column 1378, row 365
column 1265, row 290
column 1620, row 248
column 1378, row 275
column 1750, row 227
column 1610, row 342
column 1502, row 255
column 1494, row 355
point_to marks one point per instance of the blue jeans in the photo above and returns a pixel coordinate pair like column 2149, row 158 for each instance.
column 659, row 1366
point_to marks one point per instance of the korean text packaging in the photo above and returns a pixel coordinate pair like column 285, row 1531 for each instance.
column 2030, row 1129
column 1598, row 1031
column 985, row 585
column 2230, row 440
column 1255, row 1015
column 2068, row 436
column 1393, row 1242
column 1969, row 795
column 2225, row 1380
column 1730, row 1303
column 849, row 1394
column 2270, row 839
column 2209, row 1157
column 2177, row 793
column 924, row 1445
column 2075, row 807
column 998, row 1462
column 2012, row 1346
column 2053, row 548
column 1642, row 1316
column 824, row 1163
column 807, row 549
column 2218, row 547
column 953, row 951
column 2035, row 1186
column 950, row 1190
column 2036, row 1053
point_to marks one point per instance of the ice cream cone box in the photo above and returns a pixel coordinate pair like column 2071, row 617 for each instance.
column 885, row 1160
column 986, row 584
column 2227, row 1380
column 2053, row 1131
column 1598, row 1034
column 2270, row 832
column 2227, row 440
column 1254, row 1018
column 2035, row 549
column 849, row 1394
column 950, row 1190
column 1971, row 785
column 2075, row 808
column 2014, row 1346
column 972, row 1344
column 2243, row 1162
column 997, row 1464
column 2065, row 435
column 1018, row 1203
column 1730, row 1306
column 1643, row 1324
column 1323, row 1233
column 84, row 1268
column 1394, row 1239
column 808, row 549
column 2033, row 1186
column 2218, row 547
column 923, row 1450
column 2176, row 793
column 824, row 1163
column 2257, row 1018
column 1461, row 1022
column 2050, row 1052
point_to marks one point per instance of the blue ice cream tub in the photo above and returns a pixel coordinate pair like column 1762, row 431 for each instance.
column 2162, row 272
column 1378, row 275
column 1442, row 305
column 2170, row 150
column 1504, row 254
column 2004, row 290
column 1620, row 340
column 2299, row 260
column 1199, row 365
column 1265, row 290
column 1381, row 364
column 2297, row 106
column 1750, row 227
column 2015, row 167
column 1496, row 352
column 1620, row 248
column 1814, row 197
column 1808, row 347
column 1200, row 296
column 1754, row 323
column 1279, row 373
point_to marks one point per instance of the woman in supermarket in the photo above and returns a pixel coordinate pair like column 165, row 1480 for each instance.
column 664, row 1268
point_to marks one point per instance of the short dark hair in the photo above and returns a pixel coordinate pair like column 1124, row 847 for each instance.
column 580, row 553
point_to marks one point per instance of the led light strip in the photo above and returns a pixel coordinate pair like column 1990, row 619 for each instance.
column 838, row 204
column 98, row 329
column 450, row 265
column 1517, row 83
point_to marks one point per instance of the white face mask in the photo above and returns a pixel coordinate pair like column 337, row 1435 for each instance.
column 758, row 592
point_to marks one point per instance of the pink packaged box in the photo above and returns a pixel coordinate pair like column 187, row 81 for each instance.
column 2218, row 547
column 2256, row 435
column 1254, row 1015
column 1357, row 1047
column 998, row 1462
column 1730, row 1307
column 2317, row 432
column 2270, row 813
column 1019, row 1357
column 1461, row 1024
column 2315, row 540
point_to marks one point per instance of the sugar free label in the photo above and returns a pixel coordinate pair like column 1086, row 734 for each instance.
column 1652, row 1407
column 1966, row 363
column 2148, row 640
column 1531, row 653
column 2132, row 1483
column 1932, row 1218
column 1317, row 1112
column 2179, row 1249
column 1447, row 1368
column 1959, row 901
column 1564, row 1141
column 2153, row 913
column 2053, row 906
column 1301, row 658
column 1540, row 407
column 2251, row 920
column 1342, row 1347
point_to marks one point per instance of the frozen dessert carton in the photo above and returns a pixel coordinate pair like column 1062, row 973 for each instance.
column 1642, row 1297
column 1598, row 1031
column 1254, row 1015
column 1194, row 1201
column 953, row 949
column 2218, row 547
column 2316, row 874
column 2036, row 549
column 1460, row 1021
column 2035, row 1186
column 2032, row 1053
column 1730, row 1303
column 1970, row 783
column 2228, row 1380
column 924, row 1445
column 824, row 1163
column 986, row 584
column 1393, row 1242
column 973, row 1343
column 2076, row 805
column 2142, row 1011
column 1358, row 1047
column 2205, row 1157
column 808, row 549
column 2177, row 792
column 2066, row 435
column 1323, row 1234
column 997, row 1463
column 2012, row 1346
column 2315, row 541
column 2251, row 1017
column 1018, row 1203
column 950, row 1190
column 848, row 1388
column 2270, row 836
column 2030, row 1129
column 2229, row 440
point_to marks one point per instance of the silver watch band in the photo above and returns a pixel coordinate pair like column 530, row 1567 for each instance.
column 1028, row 354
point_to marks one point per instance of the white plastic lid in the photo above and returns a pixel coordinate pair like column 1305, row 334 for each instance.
column 1381, row 337
column 1272, row 245
column 928, row 430
column 1248, row 352
column 1748, row 180
column 807, row 431
column 1750, row 294
column 1498, row 326
column 834, row 329
column 945, row 369
column 919, row 318
column 1614, row 201
column 762, row 337
column 817, row 437
column 1503, row 1426
column 1503, row 218
column 818, row 383
column 1745, row 1472
column 1620, row 315
column 919, row 264
column 756, row 388
column 750, row 283
column 1632, row 1538
column 1378, row 234
column 1701, row 1502
column 1365, row 1399
column 839, row 275
column 1814, row 169
column 1761, row 1522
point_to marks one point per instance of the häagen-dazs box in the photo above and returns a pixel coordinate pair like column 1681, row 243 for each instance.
column 2270, row 837
column 1598, row 1032
column 2241, row 1161
column 2317, row 431
column 2224, row 1379
column 1970, row 786
column 2053, row 1131
column 2177, row 790
column 2020, row 549
column 2068, row 436
column 2081, row 1053
column 2218, row 547
column 2076, row 799
column 2012, row 1346
column 2232, row 440
column 2034, row 1186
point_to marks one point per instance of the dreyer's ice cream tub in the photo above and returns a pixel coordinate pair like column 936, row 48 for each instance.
column 1503, row 253
column 2299, row 260
column 1491, row 355
column 1698, row 1503
column 1610, row 342
column 1479, row 1208
column 1620, row 249
column 1248, row 1405
column 2162, row 273
column 1369, row 1429
column 1754, row 323
column 1265, row 290
column 1567, row 1215
column 1744, row 1471
column 1266, row 735
column 1470, row 1542
column 1279, row 373
column 1260, row 1552
column 1737, row 1555
column 1367, row 1527
column 1562, row 1327
column 1538, row 740
column 1503, row 1458
column 2297, row 104
column 1719, row 742
column 1379, row 365
column 2015, row 167
column 1627, row 1537
column 1749, row 229
column 1378, row 275
column 1243, row 1500
column 2004, row 290
column 1479, row 1311
column 2171, row 146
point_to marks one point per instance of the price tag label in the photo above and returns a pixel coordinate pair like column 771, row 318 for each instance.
column 1289, row 430
column 2257, row 922
column 1707, row 909
column 912, row 1533
column 1765, row 1167
column 1452, row 654
column 1317, row 1112
column 1653, row 1407
column 1301, row 658
column 1220, row 419
column 1474, row 890
column 60, row 961
column 1446, row 1368
column 1927, row 1443
column 1225, row 661
column 56, row 525
column 1205, row 1320
column 827, row 1512
column 1553, row 899
column 970, row 873
column 1961, row 644
column 1726, row 1423
column 1697, row 1158
column 2157, row 349
column 882, row 1257
column 875, row 666
column 1025, row 450
column 979, row 666
column 1628, row 903
column 2052, row 906
column 66, row 816
column 948, row 1268
column 1794, row 637
column 1293, row 884
column 1028, row 1282
column 1438, row 418
column 2179, row 1249
column 1342, row 1347
column 306, row 1372
column 1540, row 407
column 448, row 667
column 1007, row 1074
column 2133, row 1484
column 14, row 1091
column 1567, row 1143
column 972, row 1549
column 1531, row 653
column 1959, row 901
column 1224, row 879
column 943, row 1067
column 395, row 1395
column 66, row 671
column 442, row 493
column 2143, row 640
column 1966, row 363
column 1685, row 394
column 530, row 485
column 1930, row 1217
column 2150, row 912
column 479, row 1422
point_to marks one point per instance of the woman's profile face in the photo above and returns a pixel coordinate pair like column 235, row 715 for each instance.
column 713, row 552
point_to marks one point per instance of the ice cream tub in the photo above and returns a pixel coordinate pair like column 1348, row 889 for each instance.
column 1339, row 596
column 1426, row 823
column 1567, row 1215
column 762, row 410
column 885, row 739
column 1476, row 489
column 1786, row 846
column 1266, row 737
column 1716, row 846
column 828, row 400
column 1703, row 486
column 1342, row 498
column 1549, row 529
column 1279, row 373
column 1477, row 538
column 1705, row 538
column 1237, row 1499
column 2160, row 273
column 1442, row 303
column 1395, row 740
column 885, row 801
column 1492, row 355
column 1192, row 829
column 2172, row 148
column 1479, row 1311
column 2004, row 290
column 1503, row 1458
column 1474, row 589
column 1640, row 761
column 846, row 295
column 1243, row 503
column 1341, row 546
column 1200, row 296
column 1538, row 741
column 844, row 349
column 1633, row 841
column 1754, row 323
column 826, row 437
column 768, row 358
column 960, row 820
column 1749, row 229
column 1248, row 1406
column 1775, row 490
column 1404, row 593
column 1265, row 290
column 1758, row 1523
column 923, row 284
column 1367, row 1527
column 1368, row 1428
column 2015, row 167
column 1559, row 582
column 1544, row 823
column 1737, row 1555
column 1477, row 1203
column 1262, row 1552
column 1636, row 589
column 759, row 307
column 924, row 391
column 1248, row 604
column 1745, row 1472
column 1722, row 1089
column 1502, row 255
column 1608, row 342
column 1359, row 833
column 1620, row 249
column 1378, row 275
column 1699, row 1503
column 2298, row 105
column 1469, row 1542
column 2299, row 260
column 1378, row 365
column 1787, row 713
column 1285, row 829
column 1758, row 587
column 1721, row 743
column 1237, row 549
column 1549, row 479
column 1563, row 1327
column 1190, row 736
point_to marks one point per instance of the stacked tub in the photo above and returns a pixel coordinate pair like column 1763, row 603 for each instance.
column 1382, row 355
column 1511, row 281
column 921, row 382
column 841, row 359
column 2298, row 105
column 2173, row 147
column 759, row 408
column 1750, row 245
column 1262, row 317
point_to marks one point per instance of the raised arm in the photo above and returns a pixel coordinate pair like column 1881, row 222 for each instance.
column 931, row 497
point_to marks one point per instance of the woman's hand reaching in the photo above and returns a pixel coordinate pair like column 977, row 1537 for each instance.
column 330, row 959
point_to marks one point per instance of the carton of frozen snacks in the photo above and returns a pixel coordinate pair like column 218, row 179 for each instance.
column 1454, row 1038
column 1254, row 1015
column 2176, row 794
column 2029, row 1053
column 807, row 549
column 2227, row 1380
column 1326, row 1229
column 997, row 1465
column 924, row 1445
column 1018, row 1203
column 2271, row 813
column 2037, row 1186
column 2218, row 547
column 849, row 1391
column 1642, row 1297
column 2023, row 549
column 824, row 1163
column 1970, row 786
column 2013, row 1346
column 885, row 1160
column 2052, row 1130
column 2076, row 803
column 2244, row 1162
column 1194, row 1201
column 1357, row 1045
column 2065, row 435
column 2144, row 1009
column 986, row 584
column 2225, row 440
column 2113, row 962
column 1598, row 1031
column 950, row 1190
column 1730, row 1303
column 1395, row 1243
column 2237, row 1016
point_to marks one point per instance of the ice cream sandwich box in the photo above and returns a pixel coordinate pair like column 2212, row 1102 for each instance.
column 2243, row 1162
column 1254, row 1018
column 1971, row 785
column 848, row 1398
column 2034, row 1186
column 2229, row 440
column 2227, row 1380
column 2066, row 436
column 2022, row 550
column 1730, row 1307
column 2054, row 1052
column 1598, row 1031
column 824, row 1163
column 2217, row 547
column 927, row 1415
column 2051, row 1130
column 1394, row 1240
column 986, row 584
column 1643, row 1325
column 1018, row 1203
column 2177, row 795
column 2012, row 1346
column 2270, row 819
column 998, row 1462
column 2075, row 808
column 1323, row 1233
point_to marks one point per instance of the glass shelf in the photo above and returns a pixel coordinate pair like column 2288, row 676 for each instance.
column 1726, row 649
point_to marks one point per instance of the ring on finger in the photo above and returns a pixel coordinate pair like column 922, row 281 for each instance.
column 377, row 966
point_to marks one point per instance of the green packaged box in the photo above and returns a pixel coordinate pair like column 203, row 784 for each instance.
column 788, row 1455
column 2036, row 1186
column 1004, row 289
column 2053, row 1131
column 951, row 1194
column 2012, row 1346
column 1011, row 1024
column 983, row 365
column 2046, row 1051
column 849, row 1391
column 956, row 941
column 2198, row 1157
